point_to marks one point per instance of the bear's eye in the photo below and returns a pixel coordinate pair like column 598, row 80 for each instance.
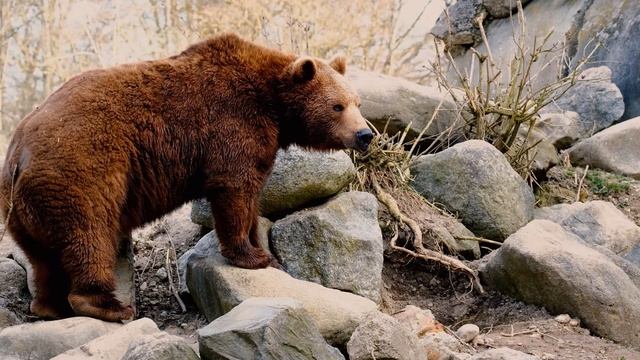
column 338, row 108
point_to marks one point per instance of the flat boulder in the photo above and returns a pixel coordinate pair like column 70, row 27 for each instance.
column 217, row 287
column 113, row 345
column 337, row 244
column 475, row 181
column 267, row 329
column 45, row 339
column 160, row 346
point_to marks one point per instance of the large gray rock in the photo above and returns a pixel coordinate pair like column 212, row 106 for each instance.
column 208, row 246
column 111, row 346
column 475, row 181
column 399, row 102
column 337, row 244
column 380, row 336
column 299, row 178
column 545, row 265
column 265, row 328
column 160, row 346
column 595, row 98
column 503, row 354
column 13, row 279
column 46, row 339
column 614, row 149
column 217, row 287
column 596, row 222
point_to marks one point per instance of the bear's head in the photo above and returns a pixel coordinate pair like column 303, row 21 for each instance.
column 321, row 109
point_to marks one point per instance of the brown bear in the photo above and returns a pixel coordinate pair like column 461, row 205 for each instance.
column 113, row 149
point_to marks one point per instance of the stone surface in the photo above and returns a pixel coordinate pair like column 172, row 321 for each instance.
column 545, row 265
column 502, row 8
column 468, row 332
column 419, row 321
column 111, row 346
column 598, row 101
column 399, row 102
column 176, row 227
column 160, row 346
column 440, row 345
column 45, row 339
column 7, row 245
column 457, row 26
column 380, row 336
column 299, row 178
column 596, row 222
column 475, row 181
column 265, row 328
column 217, row 287
column 13, row 280
column 337, row 244
column 302, row 177
column 8, row 318
column 208, row 245
column 562, row 129
column 503, row 354
column 614, row 149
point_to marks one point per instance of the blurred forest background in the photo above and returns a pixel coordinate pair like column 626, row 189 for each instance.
column 43, row 43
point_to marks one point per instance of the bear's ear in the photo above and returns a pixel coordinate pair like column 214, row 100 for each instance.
column 303, row 69
column 339, row 64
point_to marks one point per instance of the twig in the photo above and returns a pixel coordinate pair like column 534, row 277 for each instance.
column 586, row 169
column 478, row 239
column 171, row 252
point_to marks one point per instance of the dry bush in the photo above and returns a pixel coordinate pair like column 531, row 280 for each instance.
column 502, row 107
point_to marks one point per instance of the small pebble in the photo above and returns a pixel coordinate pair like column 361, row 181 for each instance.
column 574, row 322
column 468, row 332
column 162, row 274
column 144, row 286
column 563, row 319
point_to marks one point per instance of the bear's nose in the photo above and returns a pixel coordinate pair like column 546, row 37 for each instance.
column 363, row 138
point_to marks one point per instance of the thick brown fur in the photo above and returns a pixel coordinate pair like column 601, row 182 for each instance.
column 114, row 149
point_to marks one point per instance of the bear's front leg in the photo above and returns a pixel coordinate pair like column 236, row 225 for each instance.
column 235, row 211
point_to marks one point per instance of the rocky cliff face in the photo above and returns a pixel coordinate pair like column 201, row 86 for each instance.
column 577, row 25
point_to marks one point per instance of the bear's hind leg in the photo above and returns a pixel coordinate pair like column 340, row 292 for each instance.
column 90, row 263
column 50, row 281
column 52, row 290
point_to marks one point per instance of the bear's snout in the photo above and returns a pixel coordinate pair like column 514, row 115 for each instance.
column 363, row 139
